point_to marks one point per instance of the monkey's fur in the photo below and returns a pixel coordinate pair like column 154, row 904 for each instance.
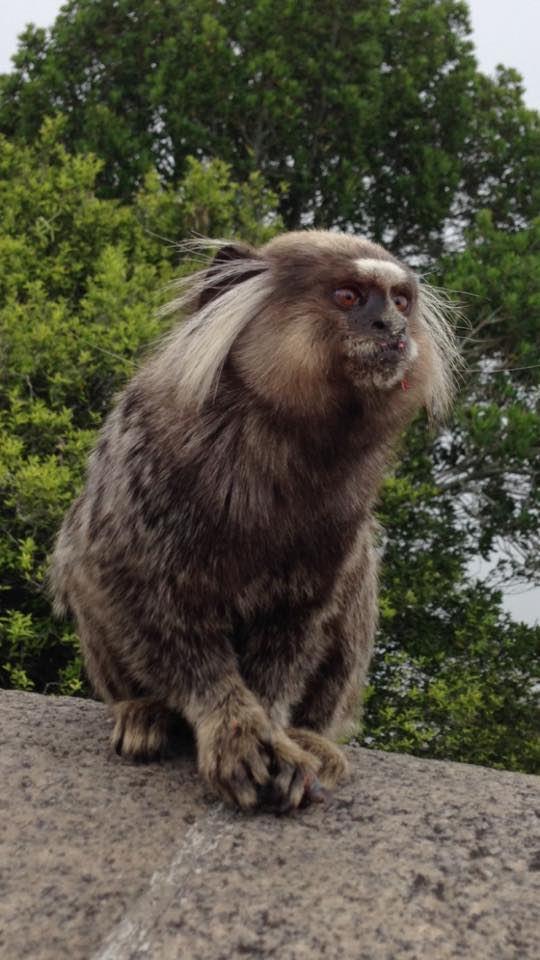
column 220, row 561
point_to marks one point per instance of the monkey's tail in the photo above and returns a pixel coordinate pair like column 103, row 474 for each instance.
column 59, row 597
column 55, row 587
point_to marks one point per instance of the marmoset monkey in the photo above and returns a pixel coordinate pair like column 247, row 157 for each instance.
column 220, row 561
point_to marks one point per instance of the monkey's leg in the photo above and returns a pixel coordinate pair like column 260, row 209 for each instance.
column 141, row 729
column 108, row 679
column 330, row 705
column 330, row 701
column 181, row 662
column 186, row 666
column 250, row 760
column 334, row 765
column 306, row 702
column 276, row 671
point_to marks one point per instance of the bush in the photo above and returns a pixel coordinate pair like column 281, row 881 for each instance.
column 80, row 280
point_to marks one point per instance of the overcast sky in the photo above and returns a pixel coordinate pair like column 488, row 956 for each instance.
column 503, row 33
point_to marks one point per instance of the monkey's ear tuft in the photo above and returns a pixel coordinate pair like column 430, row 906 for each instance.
column 231, row 265
column 234, row 251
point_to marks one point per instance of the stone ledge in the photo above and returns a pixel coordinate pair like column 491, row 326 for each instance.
column 102, row 860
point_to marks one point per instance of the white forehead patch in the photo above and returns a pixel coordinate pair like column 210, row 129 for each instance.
column 382, row 270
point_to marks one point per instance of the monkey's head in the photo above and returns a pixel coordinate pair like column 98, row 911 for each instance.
column 314, row 316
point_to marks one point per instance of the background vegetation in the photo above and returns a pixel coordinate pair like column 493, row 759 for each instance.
column 130, row 125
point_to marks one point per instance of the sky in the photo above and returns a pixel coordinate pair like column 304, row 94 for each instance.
column 503, row 32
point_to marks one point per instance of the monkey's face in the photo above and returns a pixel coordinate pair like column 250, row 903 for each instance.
column 348, row 305
column 374, row 311
column 313, row 314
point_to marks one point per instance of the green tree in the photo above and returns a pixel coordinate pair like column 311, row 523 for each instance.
column 453, row 676
column 373, row 115
column 80, row 278
column 490, row 462
column 172, row 117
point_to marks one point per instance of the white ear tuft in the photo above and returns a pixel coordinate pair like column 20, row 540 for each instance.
column 438, row 313
column 220, row 301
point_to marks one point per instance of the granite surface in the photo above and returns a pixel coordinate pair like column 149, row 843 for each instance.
column 105, row 860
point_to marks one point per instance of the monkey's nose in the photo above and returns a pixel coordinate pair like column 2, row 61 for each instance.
column 385, row 326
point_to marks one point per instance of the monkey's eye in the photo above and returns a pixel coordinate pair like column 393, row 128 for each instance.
column 402, row 302
column 346, row 298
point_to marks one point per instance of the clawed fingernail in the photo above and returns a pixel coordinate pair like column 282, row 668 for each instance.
column 317, row 793
column 314, row 792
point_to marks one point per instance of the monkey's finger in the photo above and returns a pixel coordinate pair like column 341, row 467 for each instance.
column 226, row 782
column 314, row 792
column 240, row 796
column 243, row 789
column 286, row 750
column 284, row 792
column 295, row 791
column 117, row 739
column 221, row 786
column 256, row 766
column 304, row 790
column 270, row 759
column 273, row 794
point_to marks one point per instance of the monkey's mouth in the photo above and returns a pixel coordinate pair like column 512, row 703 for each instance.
column 383, row 357
column 392, row 351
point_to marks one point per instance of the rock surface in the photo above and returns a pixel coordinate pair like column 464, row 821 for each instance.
column 104, row 860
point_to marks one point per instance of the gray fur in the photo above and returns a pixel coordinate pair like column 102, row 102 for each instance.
column 220, row 562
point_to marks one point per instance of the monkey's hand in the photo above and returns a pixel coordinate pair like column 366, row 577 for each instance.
column 253, row 763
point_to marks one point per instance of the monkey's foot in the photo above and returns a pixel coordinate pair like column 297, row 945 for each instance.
column 334, row 766
column 253, row 764
column 141, row 729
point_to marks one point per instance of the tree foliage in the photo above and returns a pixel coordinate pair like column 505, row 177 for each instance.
column 453, row 676
column 373, row 116
column 490, row 461
column 232, row 120
column 80, row 278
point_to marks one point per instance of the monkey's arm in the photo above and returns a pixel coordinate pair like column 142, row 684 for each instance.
column 308, row 668
column 244, row 756
column 178, row 652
